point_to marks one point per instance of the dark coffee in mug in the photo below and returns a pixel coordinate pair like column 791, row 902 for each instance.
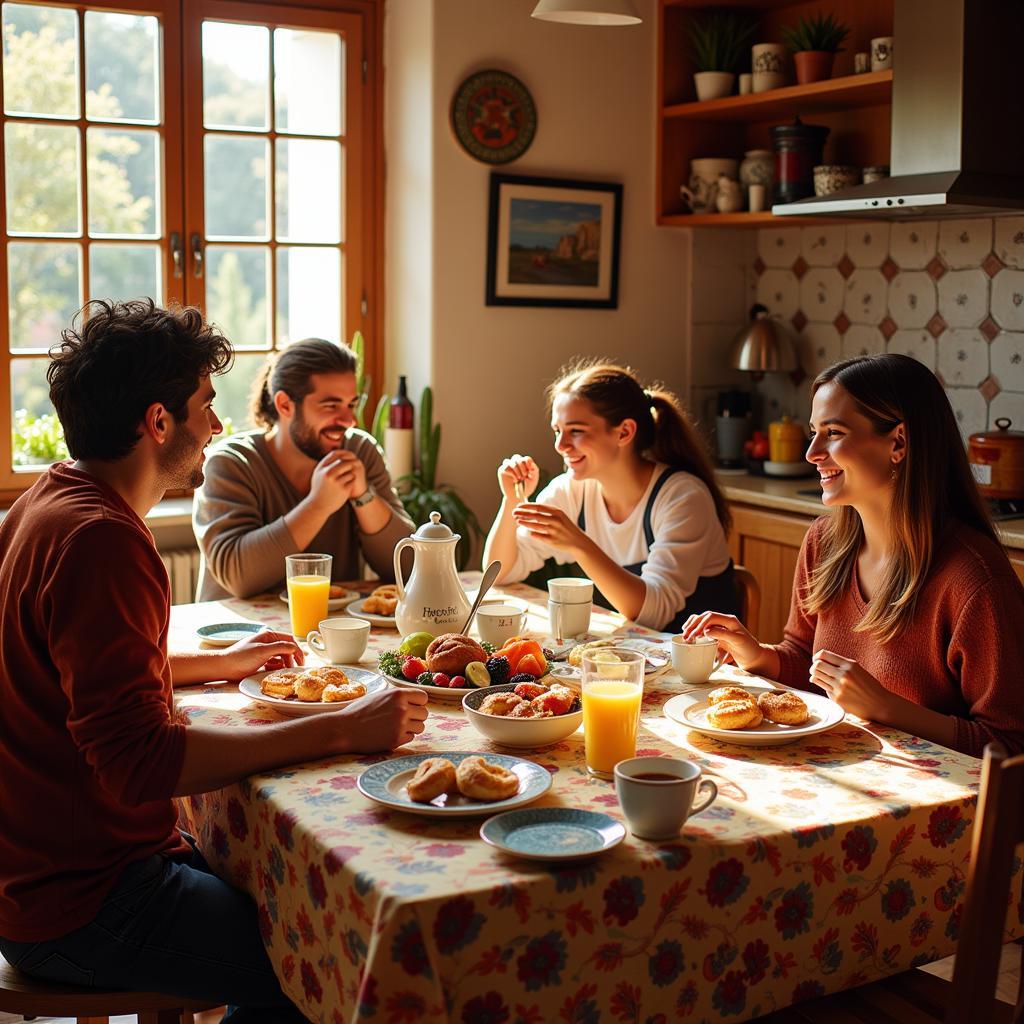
column 655, row 777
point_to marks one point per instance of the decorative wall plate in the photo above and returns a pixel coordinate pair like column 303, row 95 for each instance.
column 493, row 117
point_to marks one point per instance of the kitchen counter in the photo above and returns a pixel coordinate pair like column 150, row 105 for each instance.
column 783, row 495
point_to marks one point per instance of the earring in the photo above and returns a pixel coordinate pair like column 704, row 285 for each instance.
column 892, row 475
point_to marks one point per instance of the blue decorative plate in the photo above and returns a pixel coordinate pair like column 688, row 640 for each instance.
column 553, row 833
column 223, row 634
column 385, row 784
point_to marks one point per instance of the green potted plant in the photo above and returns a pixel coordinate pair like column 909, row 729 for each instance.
column 814, row 43
column 718, row 42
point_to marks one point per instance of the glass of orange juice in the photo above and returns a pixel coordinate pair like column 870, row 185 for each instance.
column 309, row 583
column 613, row 685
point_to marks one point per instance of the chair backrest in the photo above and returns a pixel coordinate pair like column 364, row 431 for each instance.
column 750, row 597
column 998, row 828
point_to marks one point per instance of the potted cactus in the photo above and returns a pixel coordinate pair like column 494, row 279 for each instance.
column 718, row 42
column 814, row 43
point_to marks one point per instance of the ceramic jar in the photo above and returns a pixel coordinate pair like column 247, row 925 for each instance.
column 798, row 149
column 729, row 198
column 768, row 61
column 704, row 175
column 758, row 168
column 829, row 178
column 881, row 53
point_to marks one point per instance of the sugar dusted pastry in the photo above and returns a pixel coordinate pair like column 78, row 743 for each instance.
column 480, row 780
column 309, row 687
column 500, row 704
column 730, row 693
column 278, row 684
column 383, row 600
column 783, row 707
column 338, row 693
column 330, row 674
column 733, row 714
column 433, row 776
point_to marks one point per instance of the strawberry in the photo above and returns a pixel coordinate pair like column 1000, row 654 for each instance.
column 457, row 682
column 412, row 667
column 440, row 679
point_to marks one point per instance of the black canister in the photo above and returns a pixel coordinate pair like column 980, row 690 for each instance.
column 798, row 150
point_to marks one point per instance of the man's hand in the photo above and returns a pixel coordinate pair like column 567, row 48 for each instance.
column 382, row 720
column 338, row 476
column 266, row 650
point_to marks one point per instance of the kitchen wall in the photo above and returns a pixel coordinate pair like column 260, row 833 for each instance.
column 950, row 293
column 594, row 91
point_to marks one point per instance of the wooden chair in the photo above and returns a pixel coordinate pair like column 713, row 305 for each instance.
column 31, row 998
column 750, row 597
column 919, row 996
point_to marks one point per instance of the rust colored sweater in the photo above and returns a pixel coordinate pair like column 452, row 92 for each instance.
column 962, row 654
column 89, row 752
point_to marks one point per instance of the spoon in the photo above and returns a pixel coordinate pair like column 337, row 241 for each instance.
column 490, row 575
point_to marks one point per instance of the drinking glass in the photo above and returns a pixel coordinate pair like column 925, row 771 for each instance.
column 309, row 584
column 613, row 686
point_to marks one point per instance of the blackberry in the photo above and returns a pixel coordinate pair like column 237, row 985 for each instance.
column 498, row 670
column 523, row 677
column 549, row 654
column 425, row 679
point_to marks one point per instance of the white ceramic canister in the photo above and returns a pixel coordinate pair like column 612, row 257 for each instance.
column 757, row 168
column 432, row 599
column 768, row 61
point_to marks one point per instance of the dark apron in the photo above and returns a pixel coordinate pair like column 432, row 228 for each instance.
column 713, row 593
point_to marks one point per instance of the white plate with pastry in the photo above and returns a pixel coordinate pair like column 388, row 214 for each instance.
column 337, row 598
column 439, row 778
column 377, row 608
column 721, row 714
column 311, row 689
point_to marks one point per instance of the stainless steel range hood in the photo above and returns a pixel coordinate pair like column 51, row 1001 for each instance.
column 957, row 146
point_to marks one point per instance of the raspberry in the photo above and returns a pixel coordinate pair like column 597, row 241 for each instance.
column 523, row 677
column 498, row 669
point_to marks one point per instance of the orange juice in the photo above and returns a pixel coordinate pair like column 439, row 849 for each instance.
column 307, row 599
column 611, row 715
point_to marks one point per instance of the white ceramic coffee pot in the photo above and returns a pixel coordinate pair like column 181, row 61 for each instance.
column 432, row 599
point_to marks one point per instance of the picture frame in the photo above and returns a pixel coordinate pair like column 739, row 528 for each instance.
column 553, row 242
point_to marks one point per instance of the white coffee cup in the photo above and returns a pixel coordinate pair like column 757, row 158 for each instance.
column 881, row 53
column 571, row 590
column 657, row 794
column 498, row 621
column 342, row 640
column 568, row 620
column 695, row 661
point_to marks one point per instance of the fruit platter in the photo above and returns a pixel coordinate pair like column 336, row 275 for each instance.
column 449, row 666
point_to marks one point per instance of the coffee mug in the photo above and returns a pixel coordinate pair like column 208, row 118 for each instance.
column 498, row 621
column 568, row 620
column 657, row 794
column 342, row 640
column 571, row 590
column 881, row 53
column 695, row 661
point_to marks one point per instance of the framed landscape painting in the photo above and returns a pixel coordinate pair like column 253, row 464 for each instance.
column 553, row 242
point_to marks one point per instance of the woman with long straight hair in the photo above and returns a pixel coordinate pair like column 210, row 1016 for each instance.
column 637, row 509
column 905, row 609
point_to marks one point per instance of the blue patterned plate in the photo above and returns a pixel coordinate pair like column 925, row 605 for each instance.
column 385, row 784
column 223, row 634
column 553, row 833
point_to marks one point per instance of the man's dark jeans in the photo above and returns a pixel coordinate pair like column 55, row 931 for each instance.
column 169, row 926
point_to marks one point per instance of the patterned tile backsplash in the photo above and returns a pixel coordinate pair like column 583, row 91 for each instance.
column 949, row 293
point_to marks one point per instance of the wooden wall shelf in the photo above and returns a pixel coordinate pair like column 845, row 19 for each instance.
column 744, row 219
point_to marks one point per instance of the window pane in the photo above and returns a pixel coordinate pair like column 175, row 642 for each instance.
column 123, row 169
column 40, row 60
column 309, row 76
column 37, row 435
column 121, row 67
column 42, row 166
column 45, row 290
column 236, row 186
column 309, row 294
column 125, row 272
column 236, row 293
column 233, row 387
column 309, row 190
column 236, row 76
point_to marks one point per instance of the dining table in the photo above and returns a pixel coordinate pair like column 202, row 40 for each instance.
column 824, row 863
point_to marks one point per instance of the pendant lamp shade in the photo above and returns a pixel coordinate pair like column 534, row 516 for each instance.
column 763, row 346
column 588, row 12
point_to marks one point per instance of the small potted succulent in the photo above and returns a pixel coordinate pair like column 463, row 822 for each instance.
column 815, row 42
column 718, row 42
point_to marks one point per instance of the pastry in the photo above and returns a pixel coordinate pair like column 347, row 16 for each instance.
column 783, row 707
column 278, row 684
column 383, row 600
column 309, row 687
column 730, row 693
column 733, row 714
column 337, row 693
column 576, row 654
column 529, row 709
column 500, row 704
column 452, row 652
column 433, row 776
column 479, row 780
column 330, row 674
column 335, row 591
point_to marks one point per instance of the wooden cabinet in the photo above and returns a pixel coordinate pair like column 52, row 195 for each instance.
column 856, row 108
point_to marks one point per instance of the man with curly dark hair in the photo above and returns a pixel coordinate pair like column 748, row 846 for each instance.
column 97, row 884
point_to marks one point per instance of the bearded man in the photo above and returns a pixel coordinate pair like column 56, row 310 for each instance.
column 308, row 480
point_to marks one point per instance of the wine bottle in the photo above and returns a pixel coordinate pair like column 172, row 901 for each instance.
column 400, row 413
column 398, row 436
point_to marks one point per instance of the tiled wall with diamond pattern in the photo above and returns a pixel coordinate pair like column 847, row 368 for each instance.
column 950, row 293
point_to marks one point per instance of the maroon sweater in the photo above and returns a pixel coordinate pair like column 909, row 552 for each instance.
column 89, row 753
column 962, row 654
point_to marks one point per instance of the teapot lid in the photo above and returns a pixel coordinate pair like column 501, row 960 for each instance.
column 434, row 530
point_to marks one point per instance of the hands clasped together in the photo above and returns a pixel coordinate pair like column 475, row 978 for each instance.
column 338, row 476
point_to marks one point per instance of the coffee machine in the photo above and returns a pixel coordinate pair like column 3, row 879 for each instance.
column 732, row 428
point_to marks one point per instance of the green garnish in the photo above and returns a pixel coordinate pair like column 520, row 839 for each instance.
column 390, row 663
column 488, row 647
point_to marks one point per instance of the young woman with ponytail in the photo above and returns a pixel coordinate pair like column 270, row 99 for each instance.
column 905, row 609
column 637, row 509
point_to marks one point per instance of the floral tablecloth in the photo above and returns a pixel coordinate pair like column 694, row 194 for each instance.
column 823, row 864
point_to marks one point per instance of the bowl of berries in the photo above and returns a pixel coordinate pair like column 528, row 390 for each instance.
column 525, row 714
column 452, row 665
